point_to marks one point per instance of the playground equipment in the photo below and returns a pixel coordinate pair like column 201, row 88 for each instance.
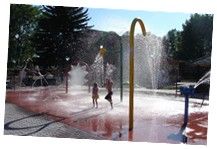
column 102, row 51
column 39, row 76
column 131, row 73
column 186, row 91
column 97, row 68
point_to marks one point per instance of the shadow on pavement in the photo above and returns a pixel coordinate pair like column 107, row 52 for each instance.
column 8, row 126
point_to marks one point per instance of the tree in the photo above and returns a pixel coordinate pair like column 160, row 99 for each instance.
column 58, row 39
column 172, row 42
column 194, row 41
column 197, row 37
column 23, row 21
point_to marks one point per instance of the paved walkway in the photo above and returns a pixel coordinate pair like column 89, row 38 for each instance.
column 22, row 123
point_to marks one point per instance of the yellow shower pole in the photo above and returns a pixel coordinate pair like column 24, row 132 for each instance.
column 131, row 73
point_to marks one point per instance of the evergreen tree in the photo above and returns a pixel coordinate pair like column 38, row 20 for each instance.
column 194, row 41
column 172, row 43
column 59, row 36
column 197, row 37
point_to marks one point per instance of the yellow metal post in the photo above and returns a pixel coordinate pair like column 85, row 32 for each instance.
column 102, row 51
column 131, row 73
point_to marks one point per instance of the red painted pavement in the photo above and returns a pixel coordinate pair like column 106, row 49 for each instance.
column 110, row 124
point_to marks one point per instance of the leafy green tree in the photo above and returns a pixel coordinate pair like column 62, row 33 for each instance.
column 197, row 37
column 59, row 36
column 23, row 21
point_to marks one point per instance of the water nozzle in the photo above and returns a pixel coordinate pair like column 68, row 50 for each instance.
column 187, row 90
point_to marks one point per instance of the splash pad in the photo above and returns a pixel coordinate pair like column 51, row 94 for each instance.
column 157, row 118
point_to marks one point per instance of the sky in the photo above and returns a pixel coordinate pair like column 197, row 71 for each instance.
column 119, row 21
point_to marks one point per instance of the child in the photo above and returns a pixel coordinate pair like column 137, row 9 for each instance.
column 108, row 97
column 95, row 94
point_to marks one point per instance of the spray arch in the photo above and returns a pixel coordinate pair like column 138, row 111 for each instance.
column 131, row 72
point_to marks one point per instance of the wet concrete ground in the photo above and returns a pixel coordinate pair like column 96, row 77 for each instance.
column 157, row 119
column 19, row 122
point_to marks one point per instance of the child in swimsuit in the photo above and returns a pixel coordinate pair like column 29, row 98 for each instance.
column 108, row 97
column 95, row 94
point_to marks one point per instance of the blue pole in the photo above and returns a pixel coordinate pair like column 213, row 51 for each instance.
column 186, row 110
column 186, row 91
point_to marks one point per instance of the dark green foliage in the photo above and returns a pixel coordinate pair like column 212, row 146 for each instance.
column 197, row 37
column 23, row 21
column 194, row 41
column 60, row 34
column 172, row 43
